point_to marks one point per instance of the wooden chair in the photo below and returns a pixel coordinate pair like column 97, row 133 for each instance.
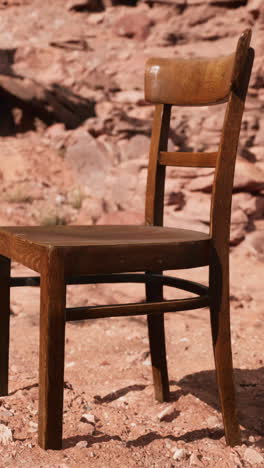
column 92, row 254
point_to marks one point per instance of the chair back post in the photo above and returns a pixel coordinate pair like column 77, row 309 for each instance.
column 156, row 173
column 225, row 168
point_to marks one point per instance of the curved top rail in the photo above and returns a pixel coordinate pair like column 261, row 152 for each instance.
column 196, row 81
column 186, row 82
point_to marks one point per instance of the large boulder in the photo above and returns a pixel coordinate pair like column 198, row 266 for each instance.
column 89, row 161
column 133, row 25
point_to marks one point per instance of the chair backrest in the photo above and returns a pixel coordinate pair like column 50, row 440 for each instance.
column 198, row 82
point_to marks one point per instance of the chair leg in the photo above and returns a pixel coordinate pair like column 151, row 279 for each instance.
column 157, row 345
column 4, row 323
column 51, row 355
column 220, row 325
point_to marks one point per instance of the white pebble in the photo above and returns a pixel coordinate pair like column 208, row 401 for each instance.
column 147, row 362
column 82, row 444
column 88, row 418
column 6, row 435
column 180, row 454
column 70, row 364
column 33, row 427
column 59, row 199
column 165, row 412
column 33, row 424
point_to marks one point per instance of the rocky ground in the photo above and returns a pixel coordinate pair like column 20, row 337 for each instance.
column 94, row 172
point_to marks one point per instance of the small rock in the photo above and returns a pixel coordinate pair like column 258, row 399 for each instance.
column 33, row 429
column 165, row 412
column 213, row 422
column 6, row 435
column 33, row 424
column 70, row 364
column 96, row 18
column 195, row 460
column 88, row 418
column 5, row 413
column 253, row 457
column 147, row 362
column 180, row 454
column 82, row 444
column 184, row 340
column 29, row 445
column 59, row 199
column 89, row 429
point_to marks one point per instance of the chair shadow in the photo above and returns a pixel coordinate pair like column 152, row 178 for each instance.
column 249, row 391
column 145, row 439
column 250, row 402
column 28, row 387
column 119, row 393
column 189, row 436
column 98, row 438
column 170, row 417
column 66, row 385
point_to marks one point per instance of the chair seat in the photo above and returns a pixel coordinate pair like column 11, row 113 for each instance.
column 103, row 249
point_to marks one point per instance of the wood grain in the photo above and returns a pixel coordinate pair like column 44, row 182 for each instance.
column 186, row 159
column 110, row 249
column 188, row 82
column 205, row 82
column 15, row 244
column 154, row 216
column 220, row 231
column 4, row 323
column 51, row 351
column 97, row 236
column 141, row 308
column 156, row 172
